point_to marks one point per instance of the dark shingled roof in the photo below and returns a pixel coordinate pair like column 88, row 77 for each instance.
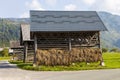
column 65, row 21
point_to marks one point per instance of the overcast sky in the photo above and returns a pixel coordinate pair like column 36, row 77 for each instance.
column 20, row 8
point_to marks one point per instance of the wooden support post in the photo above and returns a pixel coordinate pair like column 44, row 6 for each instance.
column 35, row 50
column 69, row 44
column 13, row 58
column 25, row 52
column 99, row 46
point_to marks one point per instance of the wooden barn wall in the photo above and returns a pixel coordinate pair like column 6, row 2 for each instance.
column 62, row 39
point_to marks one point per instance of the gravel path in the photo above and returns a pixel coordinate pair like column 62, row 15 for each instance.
column 11, row 72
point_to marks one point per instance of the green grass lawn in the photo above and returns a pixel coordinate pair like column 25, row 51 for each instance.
column 112, row 61
column 77, row 66
column 4, row 58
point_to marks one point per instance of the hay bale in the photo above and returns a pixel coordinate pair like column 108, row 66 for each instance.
column 55, row 57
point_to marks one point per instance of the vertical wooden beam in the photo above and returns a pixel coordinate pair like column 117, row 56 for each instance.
column 99, row 46
column 13, row 57
column 35, row 49
column 25, row 52
column 69, row 44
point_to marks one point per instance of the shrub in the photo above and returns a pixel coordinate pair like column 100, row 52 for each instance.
column 4, row 53
column 1, row 53
column 104, row 50
column 114, row 50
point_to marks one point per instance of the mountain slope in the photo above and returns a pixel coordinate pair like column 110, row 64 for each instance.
column 111, row 38
column 10, row 29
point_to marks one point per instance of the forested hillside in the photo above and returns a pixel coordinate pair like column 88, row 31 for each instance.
column 111, row 38
column 10, row 29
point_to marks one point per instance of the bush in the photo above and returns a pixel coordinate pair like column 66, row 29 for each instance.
column 104, row 50
column 114, row 50
column 4, row 52
column 1, row 53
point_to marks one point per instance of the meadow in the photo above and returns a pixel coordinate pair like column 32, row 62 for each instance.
column 112, row 61
column 4, row 58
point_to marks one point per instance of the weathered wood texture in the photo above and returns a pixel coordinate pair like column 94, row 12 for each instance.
column 35, row 48
column 25, row 51
column 21, row 52
column 14, row 44
column 67, row 40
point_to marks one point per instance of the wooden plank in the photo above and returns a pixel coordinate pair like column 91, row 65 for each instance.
column 69, row 44
column 99, row 46
column 35, row 49
column 26, row 46
column 25, row 52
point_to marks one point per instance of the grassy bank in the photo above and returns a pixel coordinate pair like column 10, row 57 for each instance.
column 77, row 66
column 112, row 61
column 4, row 58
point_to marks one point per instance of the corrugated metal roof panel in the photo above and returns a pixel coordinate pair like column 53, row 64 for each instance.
column 66, row 21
